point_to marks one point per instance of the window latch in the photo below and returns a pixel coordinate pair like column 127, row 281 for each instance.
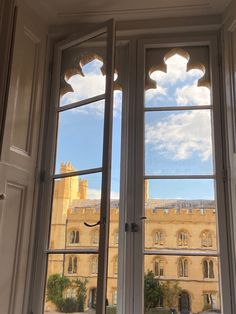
column 134, row 227
column 92, row 225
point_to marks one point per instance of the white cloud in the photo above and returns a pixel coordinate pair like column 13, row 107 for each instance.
column 182, row 135
column 89, row 85
column 152, row 94
column 96, row 194
column 176, row 71
column 92, row 86
column 193, row 96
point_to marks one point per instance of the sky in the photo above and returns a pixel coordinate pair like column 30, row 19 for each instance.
column 176, row 142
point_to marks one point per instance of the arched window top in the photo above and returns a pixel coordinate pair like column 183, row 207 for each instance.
column 94, row 265
column 114, row 297
column 72, row 264
column 116, row 265
column 192, row 59
column 80, row 68
column 208, row 268
column 116, row 237
column 95, row 237
column 183, row 267
column 74, row 236
column 159, row 237
column 158, row 266
column 183, row 237
column 206, row 238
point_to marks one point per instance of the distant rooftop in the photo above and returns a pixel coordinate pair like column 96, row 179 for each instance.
column 151, row 203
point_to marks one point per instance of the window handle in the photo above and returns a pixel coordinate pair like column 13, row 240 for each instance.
column 2, row 196
column 92, row 225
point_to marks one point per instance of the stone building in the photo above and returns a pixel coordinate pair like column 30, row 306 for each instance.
column 181, row 227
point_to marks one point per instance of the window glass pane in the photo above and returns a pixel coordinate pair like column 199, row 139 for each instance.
column 178, row 142
column 112, row 278
column 170, row 81
column 76, row 200
column 180, row 215
column 177, row 284
column 71, row 284
column 80, row 137
column 83, row 71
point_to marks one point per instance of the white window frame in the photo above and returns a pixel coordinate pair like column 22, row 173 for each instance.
column 48, row 163
column 181, row 40
column 131, row 245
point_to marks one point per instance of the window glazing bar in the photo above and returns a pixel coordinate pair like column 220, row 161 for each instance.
column 77, row 173
column 177, row 108
column 181, row 253
column 150, row 177
column 81, row 103
column 71, row 251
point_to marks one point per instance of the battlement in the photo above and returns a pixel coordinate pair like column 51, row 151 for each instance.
column 66, row 167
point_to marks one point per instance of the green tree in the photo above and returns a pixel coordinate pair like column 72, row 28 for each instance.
column 81, row 294
column 56, row 284
column 152, row 291
column 171, row 292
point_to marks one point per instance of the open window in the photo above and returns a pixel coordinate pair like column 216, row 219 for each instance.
column 159, row 225
column 79, row 174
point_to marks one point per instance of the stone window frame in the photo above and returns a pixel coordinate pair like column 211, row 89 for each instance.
column 183, row 267
column 182, row 238
column 208, row 268
column 72, row 265
column 208, row 240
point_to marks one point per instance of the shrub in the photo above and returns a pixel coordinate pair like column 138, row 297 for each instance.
column 56, row 284
column 55, row 287
column 111, row 309
column 69, row 305
column 81, row 294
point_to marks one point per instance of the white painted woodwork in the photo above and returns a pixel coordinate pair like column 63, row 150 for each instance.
column 229, row 91
column 18, row 162
column 63, row 11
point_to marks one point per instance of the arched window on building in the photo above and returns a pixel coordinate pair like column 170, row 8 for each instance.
column 116, row 237
column 70, row 293
column 95, row 237
column 210, row 299
column 206, row 238
column 74, row 237
column 183, row 267
column 72, row 265
column 116, row 265
column 159, row 237
column 94, row 265
column 208, row 269
column 114, row 297
column 159, row 267
column 182, row 238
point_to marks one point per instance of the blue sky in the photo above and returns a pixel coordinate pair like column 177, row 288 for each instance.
column 176, row 142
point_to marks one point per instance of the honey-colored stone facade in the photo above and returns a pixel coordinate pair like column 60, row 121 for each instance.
column 172, row 226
